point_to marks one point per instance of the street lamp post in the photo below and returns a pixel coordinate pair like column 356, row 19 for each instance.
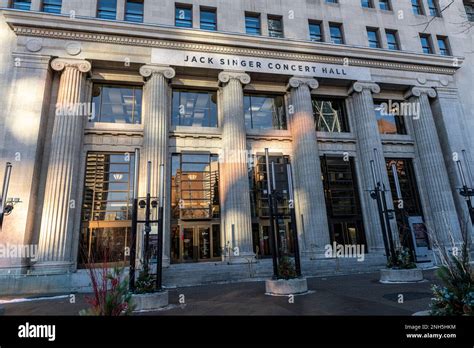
column 466, row 191
column 273, row 246
column 293, row 220
column 133, row 232
column 3, row 198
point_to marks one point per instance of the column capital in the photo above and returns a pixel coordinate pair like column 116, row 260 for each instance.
column 59, row 64
column 149, row 70
column 297, row 81
column 359, row 86
column 417, row 91
column 226, row 76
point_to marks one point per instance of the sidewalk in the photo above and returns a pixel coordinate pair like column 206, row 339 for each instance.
column 359, row 294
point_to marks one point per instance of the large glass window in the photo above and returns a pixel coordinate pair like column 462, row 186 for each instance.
column 335, row 29
column 252, row 24
column 264, row 111
column 385, row 5
column 387, row 120
column 107, row 9
column 117, row 104
column 373, row 36
column 275, row 26
column 342, row 201
column 184, row 16
column 315, row 32
column 52, row 6
column 134, row 11
column 392, row 40
column 194, row 108
column 106, row 209
column 21, row 4
column 443, row 45
column 426, row 44
column 417, row 7
column 433, row 6
column 330, row 115
column 208, row 19
column 367, row 3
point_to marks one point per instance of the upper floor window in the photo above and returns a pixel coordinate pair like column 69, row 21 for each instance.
column 117, row 104
column 417, row 7
column 52, row 6
column 388, row 119
column 194, row 108
column 335, row 30
column 434, row 9
column 426, row 44
column 330, row 115
column 208, row 18
column 385, row 5
column 373, row 36
column 331, row 1
column 275, row 26
column 21, row 4
column 107, row 9
column 315, row 31
column 264, row 111
column 392, row 40
column 443, row 46
column 184, row 16
column 134, row 11
column 469, row 11
column 252, row 24
column 367, row 3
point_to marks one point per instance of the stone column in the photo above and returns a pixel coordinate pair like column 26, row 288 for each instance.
column 364, row 122
column 235, row 188
column 60, row 199
column 309, row 191
column 156, row 120
column 446, row 227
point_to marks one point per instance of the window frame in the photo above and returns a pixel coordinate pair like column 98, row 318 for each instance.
column 429, row 46
column 52, row 5
column 106, row 11
column 206, row 9
column 321, row 30
column 257, row 16
column 283, row 124
column 388, row 3
column 447, row 49
column 183, row 7
column 280, row 33
column 397, row 40
column 338, row 26
column 130, row 14
column 209, row 92
column 377, row 36
column 21, row 5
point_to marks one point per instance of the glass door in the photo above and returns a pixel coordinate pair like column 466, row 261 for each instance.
column 196, row 243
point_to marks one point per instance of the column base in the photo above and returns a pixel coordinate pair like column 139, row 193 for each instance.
column 52, row 267
column 243, row 258
column 318, row 254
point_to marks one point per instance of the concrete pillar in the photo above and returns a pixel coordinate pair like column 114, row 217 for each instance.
column 156, row 120
column 309, row 191
column 235, row 190
column 364, row 122
column 60, row 199
column 446, row 229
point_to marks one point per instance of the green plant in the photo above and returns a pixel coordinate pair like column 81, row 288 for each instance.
column 403, row 260
column 146, row 282
column 286, row 268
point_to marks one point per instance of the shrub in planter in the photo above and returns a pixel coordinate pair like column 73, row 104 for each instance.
column 146, row 282
column 286, row 268
column 403, row 260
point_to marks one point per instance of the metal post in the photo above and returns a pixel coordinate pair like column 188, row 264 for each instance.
column 272, row 226
column 275, row 197
column 466, row 192
column 147, row 214
column 387, row 220
column 159, row 261
column 293, row 220
column 133, row 232
column 6, row 184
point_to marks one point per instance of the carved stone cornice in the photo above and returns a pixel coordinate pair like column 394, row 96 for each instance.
column 149, row 70
column 297, row 81
column 59, row 64
column 417, row 91
column 359, row 86
column 226, row 76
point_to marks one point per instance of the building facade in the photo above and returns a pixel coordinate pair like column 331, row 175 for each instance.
column 343, row 94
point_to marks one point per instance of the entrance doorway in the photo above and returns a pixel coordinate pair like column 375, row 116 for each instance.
column 195, row 243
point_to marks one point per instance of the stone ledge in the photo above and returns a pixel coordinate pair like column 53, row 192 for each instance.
column 150, row 302
column 282, row 287
column 388, row 275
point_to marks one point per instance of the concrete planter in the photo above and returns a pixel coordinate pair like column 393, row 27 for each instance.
column 150, row 302
column 282, row 287
column 391, row 275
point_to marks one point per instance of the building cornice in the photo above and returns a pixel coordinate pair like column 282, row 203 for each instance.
column 42, row 25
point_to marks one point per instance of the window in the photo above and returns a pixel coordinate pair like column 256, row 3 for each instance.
column 426, row 43
column 21, row 4
column 417, row 7
column 264, row 111
column 385, row 5
column 330, row 115
column 134, row 11
column 106, row 209
column 117, row 104
column 252, row 24
column 367, row 3
column 342, row 201
column 335, row 30
column 275, row 26
column 392, row 40
column 52, row 6
column 373, row 36
column 208, row 19
column 315, row 32
column 469, row 11
column 194, row 108
column 331, row 1
column 389, row 120
column 443, row 46
column 184, row 16
column 434, row 9
column 107, row 9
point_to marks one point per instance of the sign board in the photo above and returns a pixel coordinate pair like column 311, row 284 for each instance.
column 230, row 62
column 420, row 238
